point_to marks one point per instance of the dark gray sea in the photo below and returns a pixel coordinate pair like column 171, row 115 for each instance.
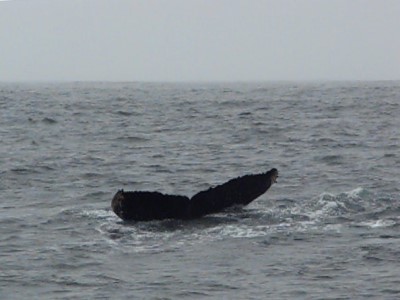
column 329, row 229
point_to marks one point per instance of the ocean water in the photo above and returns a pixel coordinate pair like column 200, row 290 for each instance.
column 328, row 230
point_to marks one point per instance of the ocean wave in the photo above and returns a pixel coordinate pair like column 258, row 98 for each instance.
column 127, row 113
column 238, row 231
column 48, row 120
column 376, row 223
column 356, row 208
column 98, row 214
column 132, row 139
column 328, row 204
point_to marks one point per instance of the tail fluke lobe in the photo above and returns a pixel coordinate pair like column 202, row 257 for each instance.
column 238, row 191
column 146, row 206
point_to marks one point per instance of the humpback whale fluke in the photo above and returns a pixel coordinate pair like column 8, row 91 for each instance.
column 146, row 206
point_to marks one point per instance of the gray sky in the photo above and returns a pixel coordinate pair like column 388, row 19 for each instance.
column 199, row 40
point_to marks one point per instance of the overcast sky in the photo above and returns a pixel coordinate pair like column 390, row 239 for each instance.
column 199, row 40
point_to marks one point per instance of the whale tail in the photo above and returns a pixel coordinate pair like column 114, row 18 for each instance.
column 145, row 206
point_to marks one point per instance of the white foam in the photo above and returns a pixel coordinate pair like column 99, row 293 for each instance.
column 354, row 193
column 242, row 231
column 334, row 227
column 98, row 213
column 378, row 223
column 330, row 205
column 326, row 195
column 325, row 206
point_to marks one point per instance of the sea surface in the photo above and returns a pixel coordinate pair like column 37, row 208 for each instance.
column 329, row 229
